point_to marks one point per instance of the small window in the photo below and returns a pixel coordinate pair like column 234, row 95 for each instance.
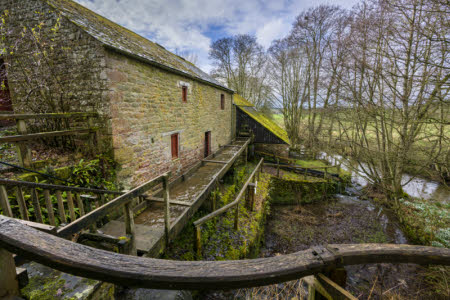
column 222, row 101
column 184, row 93
column 174, row 145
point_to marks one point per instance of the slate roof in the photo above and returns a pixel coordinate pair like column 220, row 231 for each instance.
column 259, row 117
column 126, row 42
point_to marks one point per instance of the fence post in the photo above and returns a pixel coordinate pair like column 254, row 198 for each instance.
column 130, row 228
column 23, row 151
column 93, row 136
column 198, row 242
column 9, row 284
column 278, row 167
column 167, row 208
column 236, row 217
column 4, row 202
column 251, row 192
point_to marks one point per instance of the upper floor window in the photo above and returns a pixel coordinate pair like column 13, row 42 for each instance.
column 184, row 93
column 222, row 101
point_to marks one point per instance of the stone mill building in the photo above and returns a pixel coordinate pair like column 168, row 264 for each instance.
column 158, row 111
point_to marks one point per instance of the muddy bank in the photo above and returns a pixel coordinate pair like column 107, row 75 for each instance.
column 347, row 219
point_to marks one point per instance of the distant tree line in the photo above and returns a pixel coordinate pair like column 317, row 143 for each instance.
column 372, row 82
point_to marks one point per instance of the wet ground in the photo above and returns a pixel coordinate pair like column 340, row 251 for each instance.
column 347, row 219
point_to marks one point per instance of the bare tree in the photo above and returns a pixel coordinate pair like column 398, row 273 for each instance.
column 241, row 64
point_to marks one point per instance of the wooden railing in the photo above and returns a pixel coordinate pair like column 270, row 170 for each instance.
column 143, row 272
column 78, row 200
column 248, row 189
column 24, row 152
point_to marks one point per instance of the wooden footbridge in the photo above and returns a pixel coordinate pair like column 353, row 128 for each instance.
column 163, row 207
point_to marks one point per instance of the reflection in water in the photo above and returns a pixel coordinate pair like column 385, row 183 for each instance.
column 415, row 187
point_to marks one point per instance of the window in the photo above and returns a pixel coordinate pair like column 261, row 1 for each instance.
column 174, row 145
column 222, row 101
column 184, row 93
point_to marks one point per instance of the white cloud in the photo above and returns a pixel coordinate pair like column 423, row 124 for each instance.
column 186, row 24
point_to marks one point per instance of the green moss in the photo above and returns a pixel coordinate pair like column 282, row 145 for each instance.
column 259, row 117
column 45, row 288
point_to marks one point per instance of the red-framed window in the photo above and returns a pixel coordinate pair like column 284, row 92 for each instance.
column 184, row 93
column 174, row 145
column 222, row 101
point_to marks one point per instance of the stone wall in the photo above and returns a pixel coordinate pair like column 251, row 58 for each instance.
column 147, row 107
column 70, row 77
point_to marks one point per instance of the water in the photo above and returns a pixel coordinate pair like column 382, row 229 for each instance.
column 414, row 186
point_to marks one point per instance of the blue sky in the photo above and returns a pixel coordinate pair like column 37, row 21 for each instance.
column 191, row 25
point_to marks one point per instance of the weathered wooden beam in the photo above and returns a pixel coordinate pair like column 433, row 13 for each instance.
column 315, row 286
column 33, row 136
column 61, row 210
column 133, row 271
column 47, row 116
column 39, row 226
column 166, row 196
column 336, row 291
column 9, row 285
column 4, row 202
column 130, row 228
column 49, row 205
column 71, row 206
column 215, row 161
column 174, row 202
column 22, row 204
column 36, row 205
column 23, row 151
column 92, row 217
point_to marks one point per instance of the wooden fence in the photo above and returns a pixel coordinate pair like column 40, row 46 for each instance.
column 143, row 272
column 21, row 140
column 248, row 189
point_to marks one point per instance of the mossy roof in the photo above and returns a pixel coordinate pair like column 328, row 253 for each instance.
column 126, row 41
column 259, row 117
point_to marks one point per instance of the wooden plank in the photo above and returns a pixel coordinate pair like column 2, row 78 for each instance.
column 214, row 161
column 47, row 116
column 36, row 205
column 337, row 292
column 39, row 226
column 80, row 204
column 4, row 201
column 175, row 202
column 71, row 206
column 92, row 217
column 235, row 202
column 23, row 151
column 315, row 286
column 22, row 205
column 166, row 196
column 132, row 271
column 61, row 210
column 33, row 136
column 49, row 205
column 9, row 285
column 130, row 228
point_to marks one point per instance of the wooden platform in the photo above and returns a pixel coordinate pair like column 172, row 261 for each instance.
column 192, row 191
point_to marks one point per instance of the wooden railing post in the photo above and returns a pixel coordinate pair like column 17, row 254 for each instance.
column 166, row 196
column 251, row 193
column 9, row 284
column 22, row 204
column 130, row 228
column 198, row 242
column 4, row 202
column 236, row 217
column 24, row 153
column 278, row 168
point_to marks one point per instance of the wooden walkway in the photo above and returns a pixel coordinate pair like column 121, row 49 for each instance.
column 186, row 195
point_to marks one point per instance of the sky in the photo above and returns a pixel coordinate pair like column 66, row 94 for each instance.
column 192, row 25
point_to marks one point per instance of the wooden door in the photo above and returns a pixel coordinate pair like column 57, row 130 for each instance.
column 207, row 143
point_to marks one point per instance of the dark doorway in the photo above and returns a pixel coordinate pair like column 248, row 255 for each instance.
column 5, row 97
column 207, row 143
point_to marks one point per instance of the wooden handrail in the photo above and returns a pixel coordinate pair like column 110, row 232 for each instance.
column 91, row 217
column 40, row 135
column 232, row 204
column 143, row 272
column 4, row 116
column 56, row 187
